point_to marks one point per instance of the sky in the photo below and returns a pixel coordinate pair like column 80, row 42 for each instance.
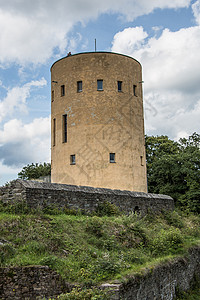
column 164, row 36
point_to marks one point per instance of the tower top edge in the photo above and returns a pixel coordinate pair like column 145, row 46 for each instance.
column 94, row 52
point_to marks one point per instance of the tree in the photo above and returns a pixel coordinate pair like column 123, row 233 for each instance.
column 173, row 168
column 35, row 171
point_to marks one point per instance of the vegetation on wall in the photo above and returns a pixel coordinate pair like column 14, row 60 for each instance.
column 173, row 168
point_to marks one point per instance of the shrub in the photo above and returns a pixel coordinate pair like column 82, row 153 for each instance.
column 167, row 241
column 107, row 209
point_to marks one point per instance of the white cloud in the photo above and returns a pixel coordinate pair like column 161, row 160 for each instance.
column 21, row 144
column 30, row 30
column 196, row 11
column 16, row 98
column 171, row 77
column 129, row 40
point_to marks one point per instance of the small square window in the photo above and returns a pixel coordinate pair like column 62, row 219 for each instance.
column 72, row 159
column 79, row 86
column 119, row 86
column 100, row 85
column 112, row 157
column 135, row 90
column 62, row 90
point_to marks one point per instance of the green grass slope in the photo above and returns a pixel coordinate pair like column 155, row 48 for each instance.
column 89, row 250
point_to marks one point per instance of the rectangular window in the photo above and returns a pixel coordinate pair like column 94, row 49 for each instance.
column 54, row 132
column 62, row 90
column 52, row 96
column 100, row 85
column 119, row 86
column 72, row 159
column 112, row 157
column 64, row 128
column 79, row 86
column 135, row 90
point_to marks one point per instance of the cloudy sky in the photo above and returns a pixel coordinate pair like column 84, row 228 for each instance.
column 163, row 35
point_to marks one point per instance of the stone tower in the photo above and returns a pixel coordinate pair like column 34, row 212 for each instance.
column 97, row 124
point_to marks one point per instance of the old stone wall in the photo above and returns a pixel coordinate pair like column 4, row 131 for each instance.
column 161, row 282
column 30, row 282
column 40, row 194
column 13, row 192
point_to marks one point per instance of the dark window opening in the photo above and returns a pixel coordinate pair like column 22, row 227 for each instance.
column 112, row 157
column 100, row 85
column 64, row 128
column 72, row 159
column 79, row 86
column 52, row 96
column 141, row 160
column 119, row 86
column 54, row 132
column 136, row 210
column 62, row 90
column 135, row 90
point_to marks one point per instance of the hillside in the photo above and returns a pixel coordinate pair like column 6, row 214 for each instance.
column 90, row 250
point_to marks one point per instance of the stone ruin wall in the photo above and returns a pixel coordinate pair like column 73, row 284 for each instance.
column 158, row 283
column 38, row 195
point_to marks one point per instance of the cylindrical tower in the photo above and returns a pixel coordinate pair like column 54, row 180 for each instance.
column 97, row 121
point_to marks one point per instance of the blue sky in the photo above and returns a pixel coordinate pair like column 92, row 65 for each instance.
column 163, row 35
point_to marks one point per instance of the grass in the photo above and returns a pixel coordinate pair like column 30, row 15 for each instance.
column 89, row 250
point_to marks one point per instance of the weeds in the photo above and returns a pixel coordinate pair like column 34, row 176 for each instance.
column 92, row 249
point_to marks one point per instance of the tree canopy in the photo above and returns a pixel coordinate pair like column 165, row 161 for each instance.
column 35, row 171
column 173, row 168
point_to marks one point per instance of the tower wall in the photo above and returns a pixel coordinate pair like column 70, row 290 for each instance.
column 98, row 135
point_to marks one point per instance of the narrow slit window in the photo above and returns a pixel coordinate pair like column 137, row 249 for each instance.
column 72, row 159
column 62, row 90
column 52, row 96
column 112, row 157
column 119, row 83
column 99, row 85
column 54, row 132
column 135, row 90
column 141, row 160
column 79, row 86
column 64, row 128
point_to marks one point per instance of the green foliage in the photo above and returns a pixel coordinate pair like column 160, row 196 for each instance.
column 35, row 171
column 167, row 241
column 89, row 249
column 86, row 294
column 107, row 209
column 19, row 207
column 6, row 251
column 173, row 168
column 95, row 226
column 192, row 294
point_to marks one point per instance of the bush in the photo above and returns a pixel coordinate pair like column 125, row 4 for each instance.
column 167, row 241
column 107, row 209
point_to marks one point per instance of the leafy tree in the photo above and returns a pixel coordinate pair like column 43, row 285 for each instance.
column 35, row 171
column 173, row 168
